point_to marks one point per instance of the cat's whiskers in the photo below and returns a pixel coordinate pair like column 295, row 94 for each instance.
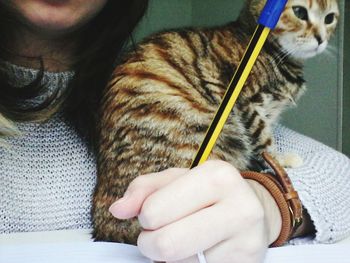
column 278, row 58
column 285, row 55
column 331, row 51
column 282, row 59
column 332, row 48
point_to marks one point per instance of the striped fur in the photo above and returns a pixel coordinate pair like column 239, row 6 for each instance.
column 164, row 95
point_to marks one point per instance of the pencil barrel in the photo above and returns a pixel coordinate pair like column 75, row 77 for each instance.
column 231, row 94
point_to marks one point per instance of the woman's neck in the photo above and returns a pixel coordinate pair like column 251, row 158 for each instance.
column 27, row 48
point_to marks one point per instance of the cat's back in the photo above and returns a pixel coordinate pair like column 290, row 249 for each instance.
column 168, row 89
column 190, row 66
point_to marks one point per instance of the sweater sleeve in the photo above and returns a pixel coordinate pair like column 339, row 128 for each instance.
column 323, row 184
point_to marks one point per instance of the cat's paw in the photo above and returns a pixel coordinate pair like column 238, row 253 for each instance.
column 289, row 160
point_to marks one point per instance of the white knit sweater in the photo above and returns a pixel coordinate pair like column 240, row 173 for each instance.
column 47, row 176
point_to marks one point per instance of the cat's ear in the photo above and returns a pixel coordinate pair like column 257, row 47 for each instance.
column 251, row 12
column 254, row 7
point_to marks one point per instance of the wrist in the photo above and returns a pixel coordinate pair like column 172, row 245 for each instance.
column 272, row 214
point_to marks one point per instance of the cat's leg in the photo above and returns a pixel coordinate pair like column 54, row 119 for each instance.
column 289, row 160
column 264, row 141
column 285, row 159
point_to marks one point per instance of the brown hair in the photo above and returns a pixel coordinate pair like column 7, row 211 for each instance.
column 96, row 54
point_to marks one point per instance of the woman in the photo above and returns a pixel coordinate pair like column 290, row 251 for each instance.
column 61, row 54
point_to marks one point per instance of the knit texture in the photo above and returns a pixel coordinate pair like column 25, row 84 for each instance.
column 47, row 176
column 323, row 184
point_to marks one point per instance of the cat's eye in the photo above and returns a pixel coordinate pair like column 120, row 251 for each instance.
column 301, row 13
column 329, row 18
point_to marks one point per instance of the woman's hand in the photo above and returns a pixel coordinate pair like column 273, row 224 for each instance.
column 210, row 208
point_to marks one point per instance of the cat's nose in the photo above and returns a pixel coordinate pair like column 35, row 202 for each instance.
column 319, row 39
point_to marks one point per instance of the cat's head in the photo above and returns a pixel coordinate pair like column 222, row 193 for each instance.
column 305, row 26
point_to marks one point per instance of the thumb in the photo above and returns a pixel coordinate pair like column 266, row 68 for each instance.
column 140, row 189
column 129, row 205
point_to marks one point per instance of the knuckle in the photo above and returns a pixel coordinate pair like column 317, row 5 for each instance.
column 254, row 213
column 148, row 216
column 173, row 170
column 255, row 246
column 137, row 182
column 164, row 247
column 224, row 173
column 257, row 250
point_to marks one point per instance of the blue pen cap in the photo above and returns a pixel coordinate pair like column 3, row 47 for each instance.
column 271, row 13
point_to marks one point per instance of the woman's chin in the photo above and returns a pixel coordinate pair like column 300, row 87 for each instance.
column 51, row 23
column 56, row 16
column 52, row 27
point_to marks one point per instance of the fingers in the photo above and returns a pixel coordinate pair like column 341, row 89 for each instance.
column 209, row 208
column 237, row 250
column 187, row 236
column 227, row 252
column 130, row 205
column 198, row 211
column 200, row 187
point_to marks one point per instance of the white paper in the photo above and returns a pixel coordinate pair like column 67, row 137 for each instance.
column 103, row 252
column 335, row 253
column 89, row 252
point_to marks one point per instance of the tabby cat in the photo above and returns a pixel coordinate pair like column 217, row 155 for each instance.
column 163, row 97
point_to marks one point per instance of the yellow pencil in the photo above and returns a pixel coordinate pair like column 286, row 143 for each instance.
column 267, row 21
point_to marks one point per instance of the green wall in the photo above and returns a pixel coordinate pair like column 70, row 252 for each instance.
column 209, row 12
column 165, row 14
column 346, row 94
column 320, row 113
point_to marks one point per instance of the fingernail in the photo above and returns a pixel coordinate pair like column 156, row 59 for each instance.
column 114, row 207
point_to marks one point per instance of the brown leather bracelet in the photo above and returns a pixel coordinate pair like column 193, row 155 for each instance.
column 287, row 199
